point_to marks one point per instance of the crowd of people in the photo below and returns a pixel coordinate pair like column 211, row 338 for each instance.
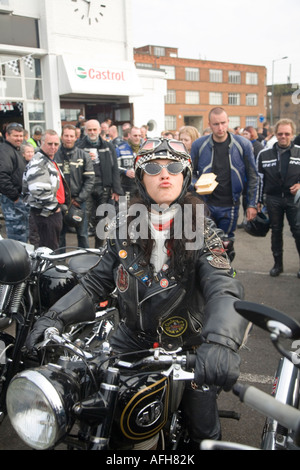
column 170, row 291
column 90, row 164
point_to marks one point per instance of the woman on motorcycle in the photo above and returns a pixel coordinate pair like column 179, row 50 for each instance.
column 175, row 285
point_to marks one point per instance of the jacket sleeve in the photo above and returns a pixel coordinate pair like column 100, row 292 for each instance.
column 252, row 176
column 220, row 287
column 116, row 181
column 7, row 169
column 261, row 176
column 78, row 304
column 88, row 177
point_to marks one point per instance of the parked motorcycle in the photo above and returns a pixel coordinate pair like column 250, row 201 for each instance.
column 281, row 408
column 30, row 282
column 91, row 399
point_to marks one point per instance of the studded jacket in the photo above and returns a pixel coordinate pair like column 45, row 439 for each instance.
column 162, row 308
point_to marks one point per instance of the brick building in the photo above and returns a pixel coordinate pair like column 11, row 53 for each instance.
column 286, row 103
column 196, row 86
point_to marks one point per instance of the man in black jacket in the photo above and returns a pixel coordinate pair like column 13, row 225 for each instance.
column 78, row 171
column 279, row 169
column 12, row 166
column 107, row 184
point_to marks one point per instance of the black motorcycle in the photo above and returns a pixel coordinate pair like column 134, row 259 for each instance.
column 30, row 282
column 90, row 399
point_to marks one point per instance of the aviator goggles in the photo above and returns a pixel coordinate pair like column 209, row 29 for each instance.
column 153, row 169
column 175, row 146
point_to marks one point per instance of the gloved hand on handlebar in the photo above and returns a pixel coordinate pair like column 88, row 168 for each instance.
column 74, row 307
column 37, row 333
column 216, row 365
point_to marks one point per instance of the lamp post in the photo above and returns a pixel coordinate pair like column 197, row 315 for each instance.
column 272, row 98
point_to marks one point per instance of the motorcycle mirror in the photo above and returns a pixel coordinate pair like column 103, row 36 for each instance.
column 261, row 315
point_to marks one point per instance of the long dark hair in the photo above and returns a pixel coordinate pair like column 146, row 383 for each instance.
column 180, row 257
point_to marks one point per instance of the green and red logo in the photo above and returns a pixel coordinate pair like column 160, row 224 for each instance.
column 81, row 73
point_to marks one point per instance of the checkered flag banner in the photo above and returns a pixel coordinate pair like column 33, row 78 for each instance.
column 28, row 61
column 14, row 66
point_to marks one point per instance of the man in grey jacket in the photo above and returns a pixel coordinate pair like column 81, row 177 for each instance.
column 44, row 191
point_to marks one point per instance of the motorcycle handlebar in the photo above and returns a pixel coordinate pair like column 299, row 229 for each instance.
column 285, row 414
column 57, row 256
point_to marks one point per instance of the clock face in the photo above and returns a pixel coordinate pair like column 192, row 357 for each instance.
column 89, row 10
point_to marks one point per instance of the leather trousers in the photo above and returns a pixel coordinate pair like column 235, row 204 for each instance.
column 277, row 208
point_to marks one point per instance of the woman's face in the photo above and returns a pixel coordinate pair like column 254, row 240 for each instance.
column 187, row 140
column 247, row 135
column 163, row 188
column 28, row 153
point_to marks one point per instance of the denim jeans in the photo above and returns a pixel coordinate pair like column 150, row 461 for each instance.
column 16, row 216
column 225, row 218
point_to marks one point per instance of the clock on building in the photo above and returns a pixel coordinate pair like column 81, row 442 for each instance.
column 90, row 10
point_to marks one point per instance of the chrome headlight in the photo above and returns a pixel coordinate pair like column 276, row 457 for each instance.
column 39, row 403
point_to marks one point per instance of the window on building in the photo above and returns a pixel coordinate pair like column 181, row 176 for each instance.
column 251, row 78
column 192, row 97
column 234, row 99
column 19, row 31
column 234, row 76
column 215, row 75
column 171, row 97
column 36, row 116
column 251, row 121
column 251, row 99
column 33, row 80
column 21, row 83
column 144, row 65
column 215, row 98
column 159, row 51
column 192, row 74
column 170, row 71
column 234, row 121
column 170, row 122
column 67, row 114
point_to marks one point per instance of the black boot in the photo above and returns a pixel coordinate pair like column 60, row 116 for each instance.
column 278, row 267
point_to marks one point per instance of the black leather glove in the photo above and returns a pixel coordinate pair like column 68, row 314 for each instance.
column 216, row 365
column 37, row 333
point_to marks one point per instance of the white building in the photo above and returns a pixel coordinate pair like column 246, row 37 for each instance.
column 63, row 58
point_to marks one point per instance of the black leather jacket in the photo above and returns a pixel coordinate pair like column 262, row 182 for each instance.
column 164, row 309
column 269, row 169
column 82, row 173
column 12, row 166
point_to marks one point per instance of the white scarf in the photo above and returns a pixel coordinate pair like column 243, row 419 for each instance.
column 160, row 225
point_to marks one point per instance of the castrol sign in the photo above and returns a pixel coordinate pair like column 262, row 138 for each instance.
column 79, row 76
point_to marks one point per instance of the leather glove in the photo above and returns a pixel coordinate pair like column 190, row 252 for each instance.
column 37, row 333
column 216, row 365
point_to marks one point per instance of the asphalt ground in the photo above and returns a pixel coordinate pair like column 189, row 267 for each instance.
column 259, row 359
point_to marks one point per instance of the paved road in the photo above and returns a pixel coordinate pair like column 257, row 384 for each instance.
column 259, row 359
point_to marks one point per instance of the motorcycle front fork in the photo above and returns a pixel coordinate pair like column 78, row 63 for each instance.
column 285, row 390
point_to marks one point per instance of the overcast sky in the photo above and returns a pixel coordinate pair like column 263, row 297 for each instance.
column 254, row 32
